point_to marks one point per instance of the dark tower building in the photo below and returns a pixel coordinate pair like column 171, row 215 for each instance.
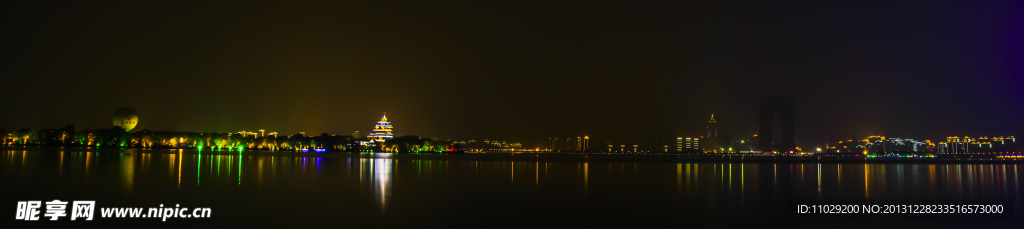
column 784, row 106
column 710, row 142
column 712, row 127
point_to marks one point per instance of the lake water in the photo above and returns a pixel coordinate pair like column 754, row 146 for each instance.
column 255, row 188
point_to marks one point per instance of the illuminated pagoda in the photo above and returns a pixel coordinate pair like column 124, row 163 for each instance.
column 382, row 131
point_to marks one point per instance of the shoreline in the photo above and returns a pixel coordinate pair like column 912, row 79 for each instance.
column 546, row 157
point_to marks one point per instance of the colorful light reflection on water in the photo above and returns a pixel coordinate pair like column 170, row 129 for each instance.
column 367, row 187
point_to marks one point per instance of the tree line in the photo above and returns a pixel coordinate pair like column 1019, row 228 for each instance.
column 118, row 137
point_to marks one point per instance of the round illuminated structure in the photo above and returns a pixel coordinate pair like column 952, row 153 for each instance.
column 126, row 118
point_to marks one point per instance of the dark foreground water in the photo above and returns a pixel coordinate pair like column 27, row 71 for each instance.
column 482, row 190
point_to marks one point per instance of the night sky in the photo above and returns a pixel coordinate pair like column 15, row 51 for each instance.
column 623, row 72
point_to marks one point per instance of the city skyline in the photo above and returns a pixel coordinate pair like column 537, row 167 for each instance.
column 707, row 142
column 596, row 114
column 125, row 119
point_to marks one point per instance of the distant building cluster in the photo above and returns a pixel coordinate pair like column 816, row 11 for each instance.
column 473, row 145
column 570, row 143
column 707, row 142
column 953, row 146
column 124, row 135
column 627, row 149
column 881, row 144
column 688, row 144
column 711, row 142
column 983, row 144
column 382, row 139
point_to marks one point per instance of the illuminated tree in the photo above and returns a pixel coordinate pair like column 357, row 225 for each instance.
column 25, row 136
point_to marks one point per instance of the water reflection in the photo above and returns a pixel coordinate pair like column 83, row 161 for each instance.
column 179, row 167
column 199, row 165
column 586, row 177
column 371, row 176
column 381, row 179
column 127, row 171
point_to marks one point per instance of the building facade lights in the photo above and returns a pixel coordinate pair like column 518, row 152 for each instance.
column 382, row 131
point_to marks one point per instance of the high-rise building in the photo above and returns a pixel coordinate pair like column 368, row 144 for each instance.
column 586, row 143
column 571, row 144
column 711, row 143
column 784, row 106
column 579, row 143
column 693, row 143
column 679, row 144
column 712, row 127
column 382, row 131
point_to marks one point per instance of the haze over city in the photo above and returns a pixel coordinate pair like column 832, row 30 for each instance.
column 519, row 71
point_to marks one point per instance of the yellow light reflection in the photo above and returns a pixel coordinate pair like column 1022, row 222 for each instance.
column 128, row 172
column 586, row 178
column 867, row 174
column 179, row 169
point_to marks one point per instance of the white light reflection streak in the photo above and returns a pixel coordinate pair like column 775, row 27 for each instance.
column 1016, row 185
column 819, row 180
column 381, row 169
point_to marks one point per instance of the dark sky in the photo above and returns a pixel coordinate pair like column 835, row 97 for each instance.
column 623, row 72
